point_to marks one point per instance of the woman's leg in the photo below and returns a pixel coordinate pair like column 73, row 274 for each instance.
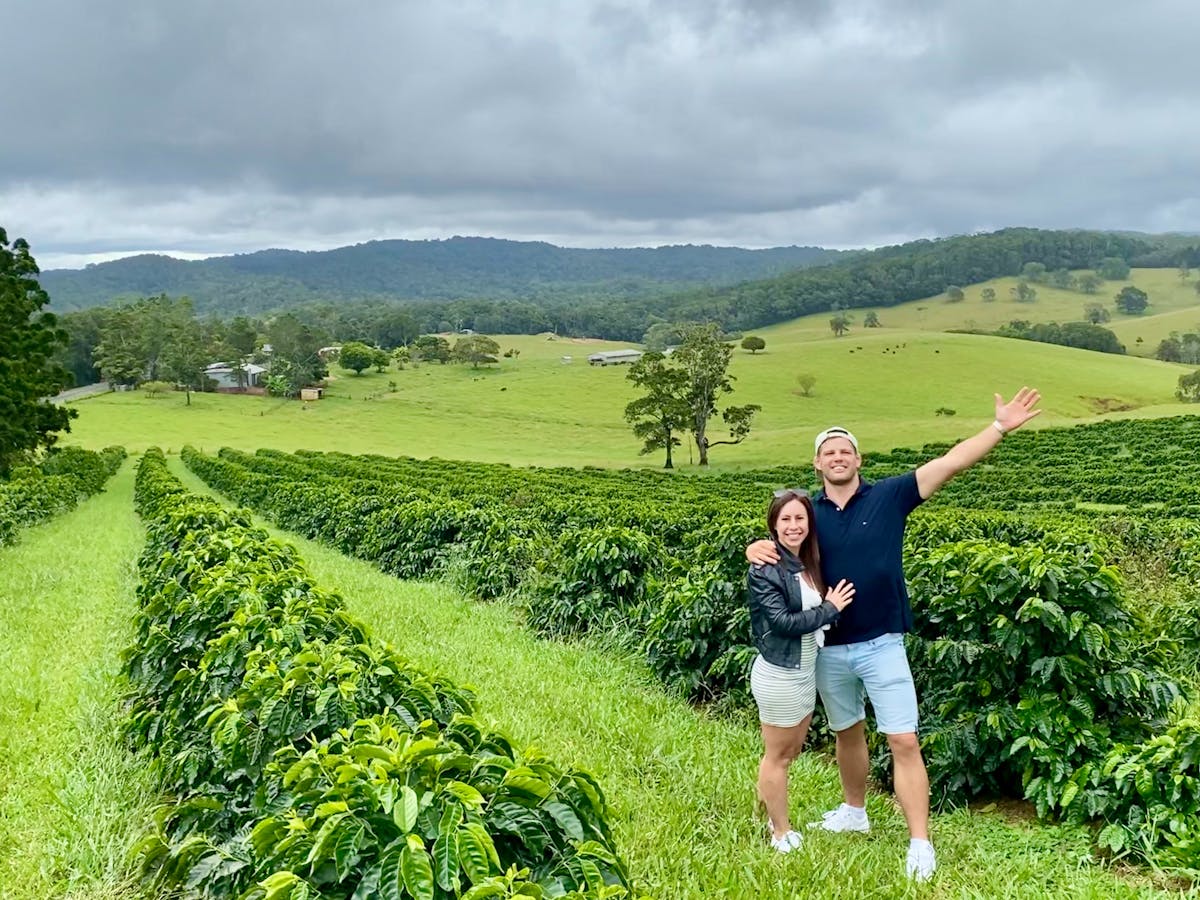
column 780, row 747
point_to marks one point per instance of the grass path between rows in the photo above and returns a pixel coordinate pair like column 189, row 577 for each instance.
column 71, row 798
column 680, row 783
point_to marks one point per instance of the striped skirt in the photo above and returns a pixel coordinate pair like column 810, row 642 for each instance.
column 785, row 696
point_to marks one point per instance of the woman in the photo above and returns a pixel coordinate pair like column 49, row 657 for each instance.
column 787, row 617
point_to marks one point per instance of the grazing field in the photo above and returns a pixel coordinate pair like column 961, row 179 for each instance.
column 885, row 384
column 680, row 781
column 71, row 797
column 1174, row 306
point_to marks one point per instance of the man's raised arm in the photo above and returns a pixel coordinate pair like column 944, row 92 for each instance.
column 1013, row 414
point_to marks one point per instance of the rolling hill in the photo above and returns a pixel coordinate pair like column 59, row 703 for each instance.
column 395, row 270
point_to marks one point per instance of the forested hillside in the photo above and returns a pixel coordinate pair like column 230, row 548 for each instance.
column 458, row 268
column 506, row 287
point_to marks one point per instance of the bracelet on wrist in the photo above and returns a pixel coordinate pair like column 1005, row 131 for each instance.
column 1000, row 428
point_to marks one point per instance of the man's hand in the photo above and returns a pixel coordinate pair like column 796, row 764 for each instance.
column 1019, row 410
column 762, row 553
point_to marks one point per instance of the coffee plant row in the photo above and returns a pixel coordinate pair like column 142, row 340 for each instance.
column 59, row 483
column 1038, row 674
column 300, row 758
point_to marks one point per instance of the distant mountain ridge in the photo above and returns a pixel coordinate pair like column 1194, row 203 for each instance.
column 437, row 270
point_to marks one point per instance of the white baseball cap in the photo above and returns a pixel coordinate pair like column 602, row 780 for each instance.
column 832, row 432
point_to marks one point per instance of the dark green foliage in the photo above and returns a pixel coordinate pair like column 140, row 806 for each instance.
column 1081, row 335
column 299, row 758
column 658, row 562
column 65, row 477
column 1027, row 664
column 1132, row 301
column 356, row 356
column 1189, row 388
column 594, row 579
column 30, row 341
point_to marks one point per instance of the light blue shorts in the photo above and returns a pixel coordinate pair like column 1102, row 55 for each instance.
column 878, row 669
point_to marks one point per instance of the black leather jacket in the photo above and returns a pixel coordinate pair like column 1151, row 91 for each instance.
column 777, row 617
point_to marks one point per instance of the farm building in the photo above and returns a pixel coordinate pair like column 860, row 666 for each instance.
column 614, row 357
column 225, row 377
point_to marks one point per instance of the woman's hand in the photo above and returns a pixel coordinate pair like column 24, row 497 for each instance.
column 841, row 594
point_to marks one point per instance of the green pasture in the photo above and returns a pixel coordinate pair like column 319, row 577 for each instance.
column 1174, row 306
column 886, row 384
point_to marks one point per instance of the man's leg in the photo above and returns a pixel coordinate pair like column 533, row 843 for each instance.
column 912, row 783
column 842, row 695
column 853, row 763
column 889, row 683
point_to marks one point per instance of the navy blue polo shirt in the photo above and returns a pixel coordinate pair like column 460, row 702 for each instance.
column 863, row 543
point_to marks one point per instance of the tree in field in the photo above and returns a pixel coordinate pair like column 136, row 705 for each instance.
column 1024, row 292
column 662, row 413
column 1113, row 268
column 1185, row 270
column 839, row 324
column 185, row 353
column 988, row 295
column 807, row 382
column 871, row 320
column 476, row 349
column 356, row 356
column 1095, row 313
column 1132, row 301
column 954, row 294
column 704, row 358
column 431, row 348
column 1089, row 282
column 1197, row 286
column 29, row 340
column 1189, row 388
column 1033, row 271
column 381, row 361
column 1062, row 279
column 753, row 344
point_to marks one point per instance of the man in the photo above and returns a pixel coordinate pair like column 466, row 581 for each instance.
column 860, row 529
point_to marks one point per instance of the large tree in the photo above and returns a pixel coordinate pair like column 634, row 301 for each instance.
column 185, row 353
column 662, row 413
column 356, row 356
column 29, row 374
column 1132, row 301
column 476, row 349
column 704, row 357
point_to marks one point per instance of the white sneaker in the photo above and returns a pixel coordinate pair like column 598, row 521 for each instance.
column 844, row 818
column 921, row 862
column 790, row 841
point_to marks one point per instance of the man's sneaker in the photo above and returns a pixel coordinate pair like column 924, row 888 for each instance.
column 921, row 862
column 844, row 818
column 786, row 844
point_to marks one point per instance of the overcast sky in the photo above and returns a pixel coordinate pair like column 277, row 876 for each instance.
column 225, row 127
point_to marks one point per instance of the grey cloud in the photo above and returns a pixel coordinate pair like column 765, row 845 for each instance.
column 222, row 127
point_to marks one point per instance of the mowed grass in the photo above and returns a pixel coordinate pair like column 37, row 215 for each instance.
column 1174, row 306
column 71, row 799
column 886, row 384
column 680, row 782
